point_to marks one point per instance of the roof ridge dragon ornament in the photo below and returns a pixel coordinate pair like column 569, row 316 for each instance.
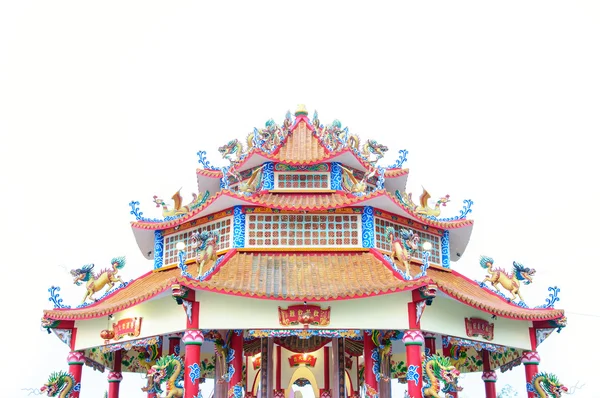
column 205, row 245
column 437, row 370
column 60, row 384
column 96, row 282
column 423, row 208
column 510, row 282
column 546, row 385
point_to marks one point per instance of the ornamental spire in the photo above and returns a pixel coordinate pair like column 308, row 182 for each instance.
column 301, row 110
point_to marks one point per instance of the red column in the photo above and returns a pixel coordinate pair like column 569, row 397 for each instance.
column 489, row 376
column 192, row 340
column 326, row 368
column 413, row 340
column 115, row 377
column 174, row 342
column 76, row 361
column 531, row 360
column 235, row 382
column 370, row 378
column 430, row 343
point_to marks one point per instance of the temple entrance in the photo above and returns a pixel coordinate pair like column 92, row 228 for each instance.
column 303, row 384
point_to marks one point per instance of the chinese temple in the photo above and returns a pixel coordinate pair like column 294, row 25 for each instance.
column 302, row 262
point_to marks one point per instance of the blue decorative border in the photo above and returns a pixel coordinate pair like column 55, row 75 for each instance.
column 446, row 249
column 268, row 178
column 158, row 249
column 462, row 215
column 204, row 162
column 400, row 161
column 368, row 227
column 239, row 227
column 380, row 179
column 336, row 176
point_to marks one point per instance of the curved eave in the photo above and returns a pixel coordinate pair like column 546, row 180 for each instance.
column 460, row 230
column 209, row 180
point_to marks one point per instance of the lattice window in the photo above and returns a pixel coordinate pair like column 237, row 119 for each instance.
column 383, row 243
column 222, row 227
column 303, row 230
column 302, row 181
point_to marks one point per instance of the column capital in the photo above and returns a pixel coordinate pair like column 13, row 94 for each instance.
column 193, row 337
column 429, row 335
column 530, row 358
column 75, row 358
column 115, row 377
column 489, row 377
column 413, row 337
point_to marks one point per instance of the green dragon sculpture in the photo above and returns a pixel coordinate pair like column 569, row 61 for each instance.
column 59, row 382
column 168, row 369
column 546, row 385
column 438, row 370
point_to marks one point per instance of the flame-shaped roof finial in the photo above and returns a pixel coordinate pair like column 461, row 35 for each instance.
column 301, row 110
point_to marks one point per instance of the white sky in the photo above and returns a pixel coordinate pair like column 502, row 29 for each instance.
column 102, row 103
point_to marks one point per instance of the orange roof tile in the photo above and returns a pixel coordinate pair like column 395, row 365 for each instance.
column 210, row 173
column 315, row 276
column 469, row 292
column 301, row 146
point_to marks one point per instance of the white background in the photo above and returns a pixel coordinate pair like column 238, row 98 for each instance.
column 105, row 102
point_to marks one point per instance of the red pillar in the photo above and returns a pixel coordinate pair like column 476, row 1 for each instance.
column 174, row 342
column 76, row 361
column 115, row 377
column 413, row 340
column 192, row 340
column 531, row 360
column 235, row 382
column 326, row 369
column 371, row 383
column 430, row 343
column 489, row 376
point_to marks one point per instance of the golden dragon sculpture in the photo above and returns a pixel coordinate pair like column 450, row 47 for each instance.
column 60, row 384
column 438, row 370
column 546, row 385
column 168, row 369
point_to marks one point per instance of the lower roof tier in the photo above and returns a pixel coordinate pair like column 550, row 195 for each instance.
column 309, row 276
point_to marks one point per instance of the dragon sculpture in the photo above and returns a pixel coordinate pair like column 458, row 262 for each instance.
column 271, row 136
column 351, row 184
column 232, row 151
column 510, row 282
column 205, row 244
column 438, row 370
column 371, row 147
column 177, row 209
column 423, row 207
column 403, row 247
column 168, row 369
column 60, row 384
column 546, row 385
column 96, row 282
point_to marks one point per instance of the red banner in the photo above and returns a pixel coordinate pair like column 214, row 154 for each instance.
column 307, row 315
column 302, row 359
column 127, row 327
column 256, row 362
column 479, row 327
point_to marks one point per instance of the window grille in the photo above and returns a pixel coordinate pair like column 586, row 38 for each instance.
column 221, row 227
column 383, row 243
column 302, row 181
column 303, row 230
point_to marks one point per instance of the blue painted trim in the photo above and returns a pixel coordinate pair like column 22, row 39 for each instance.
column 268, row 177
column 368, row 227
column 239, row 227
column 158, row 249
column 446, row 249
column 336, row 176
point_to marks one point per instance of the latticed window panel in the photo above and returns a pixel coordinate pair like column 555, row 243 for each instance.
column 303, row 230
column 382, row 241
column 221, row 227
column 302, row 181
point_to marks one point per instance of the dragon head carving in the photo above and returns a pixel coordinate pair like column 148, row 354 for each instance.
column 164, row 369
column 82, row 274
column 57, row 382
column 523, row 273
column 549, row 384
